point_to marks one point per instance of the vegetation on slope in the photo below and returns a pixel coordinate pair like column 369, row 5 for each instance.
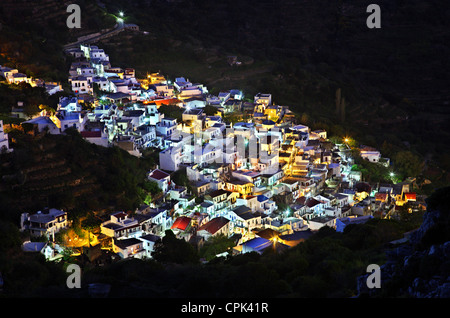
column 69, row 173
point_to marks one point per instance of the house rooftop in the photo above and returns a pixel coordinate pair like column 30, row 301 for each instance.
column 124, row 243
column 217, row 193
column 158, row 174
column 214, row 225
column 181, row 223
column 150, row 237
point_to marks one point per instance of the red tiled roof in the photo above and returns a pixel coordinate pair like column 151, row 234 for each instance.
column 181, row 223
column 301, row 200
column 381, row 196
column 120, row 214
column 158, row 174
column 218, row 192
column 166, row 101
column 311, row 202
column 214, row 225
column 91, row 134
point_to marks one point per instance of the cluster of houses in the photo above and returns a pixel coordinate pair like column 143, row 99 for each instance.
column 265, row 181
column 13, row 76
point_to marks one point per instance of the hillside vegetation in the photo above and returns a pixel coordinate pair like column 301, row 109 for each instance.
column 67, row 172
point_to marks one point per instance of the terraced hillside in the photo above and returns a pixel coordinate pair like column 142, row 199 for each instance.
column 68, row 172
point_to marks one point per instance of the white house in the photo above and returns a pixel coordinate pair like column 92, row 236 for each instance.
column 42, row 123
column 68, row 104
column 44, row 223
column 81, row 84
column 257, row 244
column 263, row 99
column 64, row 120
column 98, row 137
column 148, row 246
column 166, row 127
column 161, row 178
column 129, row 247
column 372, row 156
column 170, row 158
column 214, row 227
column 318, row 222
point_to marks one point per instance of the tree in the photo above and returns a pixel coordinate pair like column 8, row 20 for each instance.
column 89, row 224
column 407, row 164
column 173, row 250
column 210, row 110
column 47, row 109
column 216, row 245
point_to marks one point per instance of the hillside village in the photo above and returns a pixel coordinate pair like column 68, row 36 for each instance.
column 264, row 180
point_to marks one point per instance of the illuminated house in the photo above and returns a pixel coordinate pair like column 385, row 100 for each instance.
column 214, row 227
column 221, row 199
column 263, row 99
column 272, row 112
column 68, row 104
column 121, row 225
column 43, row 123
column 318, row 222
column 98, row 137
column 64, row 120
column 200, row 188
column 244, row 220
column 251, row 176
column 257, row 244
column 161, row 178
column 7, row 71
column 81, row 84
column 155, row 78
column 249, row 201
column 16, row 78
column 181, row 224
column 181, row 227
column 170, row 158
column 195, row 116
column 44, row 223
column 271, row 178
column 166, row 126
column 152, row 116
column 194, row 102
column 149, row 241
column 223, row 97
column 266, row 205
column 241, row 186
column 207, row 154
column 373, row 156
column 130, row 247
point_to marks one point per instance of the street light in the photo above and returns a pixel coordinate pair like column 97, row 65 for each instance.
column 121, row 13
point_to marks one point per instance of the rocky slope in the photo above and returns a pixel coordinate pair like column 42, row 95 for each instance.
column 419, row 268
